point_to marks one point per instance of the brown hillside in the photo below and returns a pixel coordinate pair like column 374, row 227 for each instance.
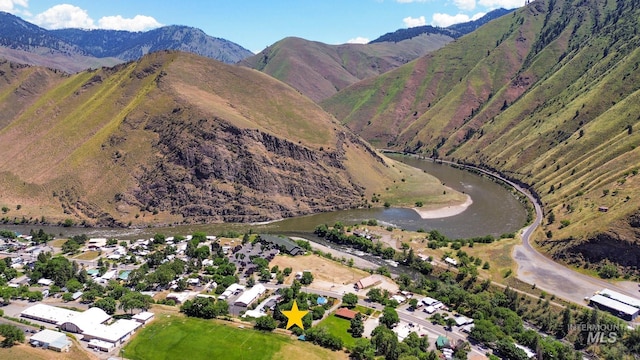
column 176, row 138
column 319, row 70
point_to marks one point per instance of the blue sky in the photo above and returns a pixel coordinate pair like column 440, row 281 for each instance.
column 256, row 24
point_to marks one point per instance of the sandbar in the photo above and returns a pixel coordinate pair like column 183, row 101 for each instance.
column 446, row 211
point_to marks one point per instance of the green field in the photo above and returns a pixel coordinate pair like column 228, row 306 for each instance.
column 338, row 327
column 177, row 337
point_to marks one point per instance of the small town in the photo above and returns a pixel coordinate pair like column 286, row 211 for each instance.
column 97, row 293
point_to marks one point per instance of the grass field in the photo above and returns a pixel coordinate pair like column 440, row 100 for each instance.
column 88, row 255
column 338, row 327
column 177, row 337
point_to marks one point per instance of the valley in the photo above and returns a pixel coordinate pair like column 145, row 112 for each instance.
column 455, row 192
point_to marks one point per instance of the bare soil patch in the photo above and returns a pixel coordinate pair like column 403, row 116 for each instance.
column 323, row 270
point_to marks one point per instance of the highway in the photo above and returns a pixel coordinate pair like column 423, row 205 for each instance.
column 546, row 274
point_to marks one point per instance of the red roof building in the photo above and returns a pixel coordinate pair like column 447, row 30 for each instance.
column 346, row 313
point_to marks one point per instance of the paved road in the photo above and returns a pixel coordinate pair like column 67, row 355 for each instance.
column 546, row 274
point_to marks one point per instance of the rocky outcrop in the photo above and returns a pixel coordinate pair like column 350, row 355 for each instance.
column 620, row 245
column 208, row 170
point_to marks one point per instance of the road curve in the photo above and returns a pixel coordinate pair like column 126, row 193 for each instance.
column 546, row 274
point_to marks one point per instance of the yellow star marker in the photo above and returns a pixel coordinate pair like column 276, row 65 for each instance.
column 294, row 316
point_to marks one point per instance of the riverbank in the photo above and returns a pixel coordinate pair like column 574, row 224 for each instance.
column 446, row 211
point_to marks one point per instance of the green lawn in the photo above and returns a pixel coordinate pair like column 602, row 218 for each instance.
column 176, row 337
column 338, row 326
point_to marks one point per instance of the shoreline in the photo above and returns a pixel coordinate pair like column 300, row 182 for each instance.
column 443, row 212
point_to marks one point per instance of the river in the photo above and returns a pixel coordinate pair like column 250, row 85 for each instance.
column 495, row 210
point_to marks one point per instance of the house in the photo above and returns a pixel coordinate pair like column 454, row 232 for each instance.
column 345, row 313
column 250, row 295
column 368, row 282
column 45, row 282
column 49, row 339
column 463, row 320
column 283, row 244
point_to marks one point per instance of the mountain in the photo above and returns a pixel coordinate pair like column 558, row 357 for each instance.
column 319, row 70
column 127, row 46
column 73, row 50
column 178, row 138
column 455, row 31
column 549, row 96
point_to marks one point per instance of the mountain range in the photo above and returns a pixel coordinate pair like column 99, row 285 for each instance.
column 73, row 50
column 546, row 95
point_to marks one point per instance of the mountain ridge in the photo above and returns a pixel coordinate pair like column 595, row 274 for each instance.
column 547, row 96
column 73, row 50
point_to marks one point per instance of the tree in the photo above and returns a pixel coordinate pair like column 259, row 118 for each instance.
column 350, row 300
column 317, row 312
column 90, row 296
column 375, row 295
column 386, row 343
column 307, row 278
column 413, row 303
column 159, row 239
column 389, row 317
column 135, row 300
column 363, row 350
column 251, row 281
column 450, row 323
column 266, row 323
column 107, row 304
column 11, row 334
column 357, row 326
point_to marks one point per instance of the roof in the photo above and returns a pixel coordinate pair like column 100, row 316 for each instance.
column 250, row 295
column 114, row 332
column 290, row 246
column 430, row 301
column 47, row 336
column 89, row 318
column 368, row 281
column 463, row 320
column 346, row 313
column 144, row 316
column 442, row 341
column 49, row 313
column 614, row 305
column 621, row 297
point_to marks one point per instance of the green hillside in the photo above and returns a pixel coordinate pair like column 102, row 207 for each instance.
column 548, row 96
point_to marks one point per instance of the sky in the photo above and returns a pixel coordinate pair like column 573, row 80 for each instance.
column 256, row 24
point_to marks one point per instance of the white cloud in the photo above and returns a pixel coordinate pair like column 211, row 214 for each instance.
column 507, row 4
column 444, row 20
column 10, row 6
column 465, row 4
column 64, row 16
column 69, row 16
column 137, row 23
column 413, row 22
column 358, row 40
